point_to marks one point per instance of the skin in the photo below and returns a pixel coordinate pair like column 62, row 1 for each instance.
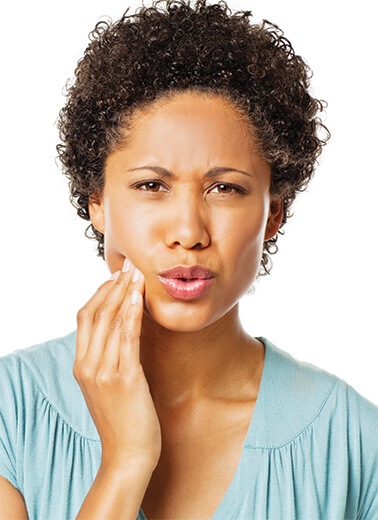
column 186, row 187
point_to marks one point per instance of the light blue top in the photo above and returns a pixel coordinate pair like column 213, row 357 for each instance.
column 311, row 451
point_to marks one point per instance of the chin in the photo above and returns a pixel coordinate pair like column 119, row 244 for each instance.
column 181, row 316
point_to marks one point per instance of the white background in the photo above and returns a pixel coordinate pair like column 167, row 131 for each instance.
column 320, row 301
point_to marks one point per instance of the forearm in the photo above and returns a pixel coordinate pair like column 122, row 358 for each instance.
column 115, row 493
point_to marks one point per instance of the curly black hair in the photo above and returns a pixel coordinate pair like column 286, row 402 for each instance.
column 177, row 45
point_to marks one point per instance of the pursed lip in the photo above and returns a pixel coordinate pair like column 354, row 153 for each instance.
column 187, row 283
column 188, row 273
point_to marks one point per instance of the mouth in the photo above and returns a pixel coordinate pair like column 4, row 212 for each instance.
column 187, row 283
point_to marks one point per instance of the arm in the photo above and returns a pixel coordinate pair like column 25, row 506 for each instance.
column 116, row 493
column 12, row 505
column 108, row 370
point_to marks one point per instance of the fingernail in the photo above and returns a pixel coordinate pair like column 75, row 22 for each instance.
column 126, row 265
column 115, row 275
column 134, row 297
column 136, row 275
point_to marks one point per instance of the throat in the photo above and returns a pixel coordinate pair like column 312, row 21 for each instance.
column 209, row 364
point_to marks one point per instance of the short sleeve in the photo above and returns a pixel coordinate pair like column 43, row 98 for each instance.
column 10, row 416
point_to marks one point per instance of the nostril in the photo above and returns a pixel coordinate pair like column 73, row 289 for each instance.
column 187, row 235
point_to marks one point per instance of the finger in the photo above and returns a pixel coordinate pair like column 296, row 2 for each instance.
column 111, row 354
column 129, row 359
column 129, row 341
column 86, row 314
column 103, row 318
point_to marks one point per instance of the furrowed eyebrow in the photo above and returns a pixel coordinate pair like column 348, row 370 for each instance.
column 219, row 170
column 213, row 172
column 156, row 169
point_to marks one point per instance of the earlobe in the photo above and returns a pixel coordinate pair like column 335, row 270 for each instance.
column 96, row 212
column 274, row 219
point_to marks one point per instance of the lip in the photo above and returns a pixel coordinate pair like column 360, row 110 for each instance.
column 187, row 283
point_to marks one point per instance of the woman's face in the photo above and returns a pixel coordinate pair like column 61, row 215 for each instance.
column 188, row 189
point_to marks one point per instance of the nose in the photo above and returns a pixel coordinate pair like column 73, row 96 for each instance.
column 187, row 224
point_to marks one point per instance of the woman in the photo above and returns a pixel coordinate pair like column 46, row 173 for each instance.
column 186, row 137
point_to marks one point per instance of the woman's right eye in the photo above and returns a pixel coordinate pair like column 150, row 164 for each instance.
column 151, row 186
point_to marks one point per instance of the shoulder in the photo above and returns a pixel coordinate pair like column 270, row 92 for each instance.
column 300, row 393
column 52, row 351
column 43, row 372
column 41, row 365
column 320, row 426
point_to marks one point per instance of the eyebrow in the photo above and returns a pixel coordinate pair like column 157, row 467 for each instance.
column 213, row 172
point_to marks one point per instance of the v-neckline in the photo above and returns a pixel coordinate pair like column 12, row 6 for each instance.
column 221, row 510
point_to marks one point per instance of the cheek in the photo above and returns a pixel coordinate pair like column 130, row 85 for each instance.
column 128, row 234
column 244, row 250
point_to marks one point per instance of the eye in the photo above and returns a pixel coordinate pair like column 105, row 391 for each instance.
column 226, row 188
column 151, row 186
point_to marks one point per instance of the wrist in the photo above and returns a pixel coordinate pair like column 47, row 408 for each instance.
column 117, row 490
column 124, row 469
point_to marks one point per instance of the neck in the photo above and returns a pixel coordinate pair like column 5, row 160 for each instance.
column 181, row 367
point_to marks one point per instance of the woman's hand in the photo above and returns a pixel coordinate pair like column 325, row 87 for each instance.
column 108, row 370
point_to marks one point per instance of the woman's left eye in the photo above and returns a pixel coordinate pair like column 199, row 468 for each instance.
column 225, row 188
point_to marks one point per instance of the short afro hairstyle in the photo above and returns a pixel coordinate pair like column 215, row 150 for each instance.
column 177, row 45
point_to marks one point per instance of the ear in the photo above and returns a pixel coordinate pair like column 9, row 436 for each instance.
column 274, row 219
column 96, row 212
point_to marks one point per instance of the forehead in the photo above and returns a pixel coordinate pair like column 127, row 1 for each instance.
column 192, row 105
column 191, row 121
